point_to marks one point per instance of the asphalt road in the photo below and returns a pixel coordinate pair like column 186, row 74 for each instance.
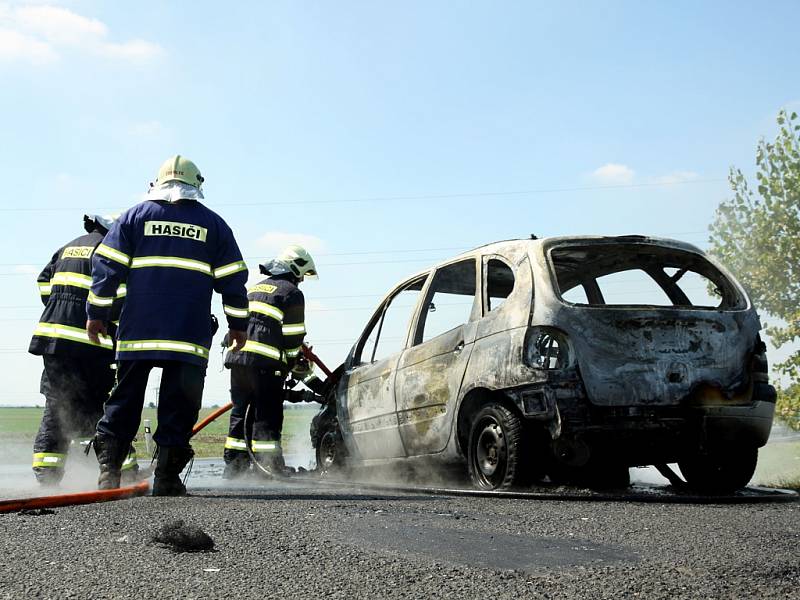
column 301, row 540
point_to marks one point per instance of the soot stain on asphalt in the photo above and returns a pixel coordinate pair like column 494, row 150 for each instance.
column 478, row 548
column 179, row 536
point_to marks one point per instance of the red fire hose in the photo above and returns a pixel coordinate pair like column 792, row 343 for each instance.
column 212, row 417
column 139, row 489
column 307, row 352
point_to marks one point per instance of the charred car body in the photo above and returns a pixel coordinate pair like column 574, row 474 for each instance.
column 567, row 358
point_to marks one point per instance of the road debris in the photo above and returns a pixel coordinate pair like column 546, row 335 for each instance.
column 36, row 512
column 183, row 537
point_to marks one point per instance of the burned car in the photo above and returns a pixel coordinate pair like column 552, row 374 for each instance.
column 568, row 359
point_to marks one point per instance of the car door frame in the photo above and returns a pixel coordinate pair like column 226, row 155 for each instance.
column 425, row 400
column 373, row 434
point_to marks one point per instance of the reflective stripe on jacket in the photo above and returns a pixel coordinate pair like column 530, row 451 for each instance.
column 172, row 257
column 64, row 286
column 276, row 328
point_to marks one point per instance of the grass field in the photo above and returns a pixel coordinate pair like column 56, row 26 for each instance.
column 18, row 426
column 778, row 464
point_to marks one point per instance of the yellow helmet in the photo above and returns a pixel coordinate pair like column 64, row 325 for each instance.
column 178, row 168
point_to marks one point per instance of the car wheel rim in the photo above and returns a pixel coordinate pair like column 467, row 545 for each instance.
column 490, row 452
column 328, row 450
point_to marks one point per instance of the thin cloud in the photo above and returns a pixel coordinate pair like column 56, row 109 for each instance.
column 677, row 177
column 138, row 51
column 59, row 25
column 39, row 34
column 273, row 242
column 18, row 47
column 614, row 174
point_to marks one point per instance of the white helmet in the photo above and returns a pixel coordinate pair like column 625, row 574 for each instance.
column 102, row 221
column 295, row 260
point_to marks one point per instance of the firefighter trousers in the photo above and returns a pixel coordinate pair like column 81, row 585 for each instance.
column 262, row 389
column 74, row 391
column 179, row 398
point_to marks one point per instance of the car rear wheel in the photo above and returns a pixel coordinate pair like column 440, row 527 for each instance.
column 720, row 470
column 495, row 452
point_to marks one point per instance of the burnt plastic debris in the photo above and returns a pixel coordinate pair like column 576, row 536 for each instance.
column 36, row 512
column 183, row 537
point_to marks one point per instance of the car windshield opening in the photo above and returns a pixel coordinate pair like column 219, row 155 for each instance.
column 629, row 274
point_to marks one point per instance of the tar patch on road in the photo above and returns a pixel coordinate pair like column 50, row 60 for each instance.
column 388, row 534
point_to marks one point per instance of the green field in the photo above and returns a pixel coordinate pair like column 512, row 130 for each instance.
column 778, row 464
column 18, row 427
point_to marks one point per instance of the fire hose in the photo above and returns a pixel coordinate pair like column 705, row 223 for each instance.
column 307, row 352
column 248, row 414
column 138, row 489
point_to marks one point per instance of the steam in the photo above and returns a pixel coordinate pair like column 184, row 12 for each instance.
column 18, row 480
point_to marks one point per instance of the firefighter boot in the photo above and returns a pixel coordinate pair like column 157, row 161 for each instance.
column 237, row 464
column 131, row 471
column 110, row 455
column 48, row 476
column 271, row 464
column 170, row 463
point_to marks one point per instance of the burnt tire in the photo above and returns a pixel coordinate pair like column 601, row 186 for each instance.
column 495, row 451
column 721, row 470
column 330, row 453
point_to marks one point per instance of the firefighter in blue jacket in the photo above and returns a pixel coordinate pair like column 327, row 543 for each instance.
column 172, row 253
column 77, row 375
column 274, row 339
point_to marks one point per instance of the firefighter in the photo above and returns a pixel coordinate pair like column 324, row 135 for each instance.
column 172, row 253
column 77, row 375
column 274, row 339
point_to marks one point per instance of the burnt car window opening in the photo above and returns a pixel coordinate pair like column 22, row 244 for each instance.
column 449, row 301
column 388, row 332
column 640, row 275
column 633, row 286
column 499, row 283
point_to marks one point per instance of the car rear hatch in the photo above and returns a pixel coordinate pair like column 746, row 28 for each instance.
column 652, row 322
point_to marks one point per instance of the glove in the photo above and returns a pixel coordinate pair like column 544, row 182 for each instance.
column 296, row 396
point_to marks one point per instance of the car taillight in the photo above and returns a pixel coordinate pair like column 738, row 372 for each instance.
column 547, row 348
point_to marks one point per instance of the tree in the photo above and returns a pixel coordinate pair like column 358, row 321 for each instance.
column 757, row 235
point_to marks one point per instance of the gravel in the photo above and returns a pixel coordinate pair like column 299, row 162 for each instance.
column 300, row 540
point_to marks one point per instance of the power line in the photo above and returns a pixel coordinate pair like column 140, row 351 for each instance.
column 347, row 263
column 328, row 265
column 534, row 191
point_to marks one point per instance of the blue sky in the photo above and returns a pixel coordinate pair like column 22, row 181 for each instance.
column 613, row 117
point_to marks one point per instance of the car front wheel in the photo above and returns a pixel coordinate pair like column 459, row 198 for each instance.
column 721, row 470
column 495, row 451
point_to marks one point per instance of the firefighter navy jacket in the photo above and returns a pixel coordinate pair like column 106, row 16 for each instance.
column 64, row 286
column 172, row 257
column 276, row 329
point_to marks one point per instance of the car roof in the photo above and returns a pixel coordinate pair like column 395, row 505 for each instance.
column 546, row 242
column 533, row 242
